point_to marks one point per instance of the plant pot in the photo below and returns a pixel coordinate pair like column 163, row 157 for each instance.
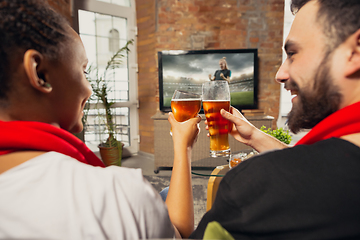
column 111, row 155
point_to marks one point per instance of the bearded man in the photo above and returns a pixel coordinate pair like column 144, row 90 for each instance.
column 311, row 190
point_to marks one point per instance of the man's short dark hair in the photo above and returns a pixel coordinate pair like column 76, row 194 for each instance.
column 339, row 18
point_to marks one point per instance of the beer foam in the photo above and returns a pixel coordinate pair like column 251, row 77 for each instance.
column 186, row 99
column 216, row 100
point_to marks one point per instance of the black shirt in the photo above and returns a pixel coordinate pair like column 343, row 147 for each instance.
column 226, row 72
column 303, row 192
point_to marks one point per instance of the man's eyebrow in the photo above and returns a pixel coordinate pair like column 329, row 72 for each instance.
column 288, row 44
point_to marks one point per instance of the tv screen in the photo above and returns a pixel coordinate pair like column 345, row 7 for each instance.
column 187, row 70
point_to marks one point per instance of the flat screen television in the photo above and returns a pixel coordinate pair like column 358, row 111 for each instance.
column 187, row 70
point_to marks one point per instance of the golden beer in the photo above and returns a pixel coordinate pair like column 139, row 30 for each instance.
column 219, row 127
column 184, row 109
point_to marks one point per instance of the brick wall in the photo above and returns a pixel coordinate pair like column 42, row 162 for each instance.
column 207, row 24
column 148, row 92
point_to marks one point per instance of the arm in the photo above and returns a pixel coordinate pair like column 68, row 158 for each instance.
column 225, row 78
column 246, row 133
column 180, row 198
column 211, row 77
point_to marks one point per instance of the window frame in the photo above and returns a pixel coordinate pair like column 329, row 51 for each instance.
column 130, row 14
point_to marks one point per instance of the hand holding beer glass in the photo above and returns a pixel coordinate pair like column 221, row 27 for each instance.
column 185, row 105
column 216, row 96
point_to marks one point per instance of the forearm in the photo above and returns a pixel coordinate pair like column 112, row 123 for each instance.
column 225, row 78
column 261, row 142
column 180, row 198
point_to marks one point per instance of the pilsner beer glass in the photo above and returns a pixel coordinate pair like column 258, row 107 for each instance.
column 216, row 96
column 185, row 105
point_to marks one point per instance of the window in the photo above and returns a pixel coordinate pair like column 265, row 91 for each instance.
column 125, row 3
column 113, row 40
column 105, row 27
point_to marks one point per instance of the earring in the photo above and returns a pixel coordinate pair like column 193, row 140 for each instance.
column 44, row 84
column 41, row 82
column 47, row 85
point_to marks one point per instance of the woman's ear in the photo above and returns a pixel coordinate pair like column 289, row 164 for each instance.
column 33, row 65
column 353, row 63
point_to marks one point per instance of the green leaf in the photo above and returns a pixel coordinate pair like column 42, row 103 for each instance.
column 101, row 89
column 279, row 133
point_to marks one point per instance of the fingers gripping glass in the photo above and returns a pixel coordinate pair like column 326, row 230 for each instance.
column 185, row 105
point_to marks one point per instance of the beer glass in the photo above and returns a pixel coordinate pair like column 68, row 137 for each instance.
column 216, row 96
column 185, row 105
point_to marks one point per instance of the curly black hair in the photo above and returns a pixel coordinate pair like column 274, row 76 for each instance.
column 339, row 18
column 27, row 24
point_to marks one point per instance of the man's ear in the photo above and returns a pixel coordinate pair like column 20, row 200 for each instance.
column 33, row 65
column 353, row 63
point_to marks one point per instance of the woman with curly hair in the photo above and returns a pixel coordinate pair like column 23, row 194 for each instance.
column 52, row 185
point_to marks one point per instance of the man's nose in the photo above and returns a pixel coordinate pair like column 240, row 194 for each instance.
column 282, row 74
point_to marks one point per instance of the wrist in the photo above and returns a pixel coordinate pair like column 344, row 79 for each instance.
column 183, row 149
column 256, row 139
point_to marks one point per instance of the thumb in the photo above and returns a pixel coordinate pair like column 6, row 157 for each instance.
column 236, row 120
column 171, row 117
column 228, row 116
column 195, row 120
column 198, row 118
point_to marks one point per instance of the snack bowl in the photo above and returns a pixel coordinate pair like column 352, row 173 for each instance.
column 237, row 158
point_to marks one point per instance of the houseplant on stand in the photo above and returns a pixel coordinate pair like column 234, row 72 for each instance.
column 111, row 149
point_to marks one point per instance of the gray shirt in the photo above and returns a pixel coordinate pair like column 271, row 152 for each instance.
column 54, row 196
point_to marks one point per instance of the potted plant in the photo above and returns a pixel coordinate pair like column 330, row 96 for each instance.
column 111, row 149
column 279, row 133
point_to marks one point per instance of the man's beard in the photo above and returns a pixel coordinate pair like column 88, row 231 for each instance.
column 314, row 105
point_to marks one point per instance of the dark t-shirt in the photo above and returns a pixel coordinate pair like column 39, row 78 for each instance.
column 226, row 72
column 303, row 192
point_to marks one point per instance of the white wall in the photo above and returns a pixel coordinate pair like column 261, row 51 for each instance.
column 285, row 96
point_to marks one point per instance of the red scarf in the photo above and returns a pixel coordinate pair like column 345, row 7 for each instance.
column 342, row 122
column 38, row 136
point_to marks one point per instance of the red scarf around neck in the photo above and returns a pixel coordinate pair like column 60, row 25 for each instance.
column 38, row 136
column 342, row 122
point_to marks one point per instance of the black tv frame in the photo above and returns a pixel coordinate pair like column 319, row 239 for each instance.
column 189, row 62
